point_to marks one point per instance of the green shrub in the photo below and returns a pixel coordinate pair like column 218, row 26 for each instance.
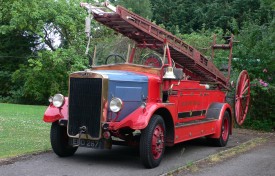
column 46, row 75
column 261, row 114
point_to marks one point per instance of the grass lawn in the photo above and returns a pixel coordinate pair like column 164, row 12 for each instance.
column 22, row 130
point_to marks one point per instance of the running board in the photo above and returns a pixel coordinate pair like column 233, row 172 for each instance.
column 195, row 129
column 195, row 122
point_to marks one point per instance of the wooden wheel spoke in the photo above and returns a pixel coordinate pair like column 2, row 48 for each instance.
column 242, row 111
column 247, row 96
column 245, row 90
column 237, row 109
column 244, row 82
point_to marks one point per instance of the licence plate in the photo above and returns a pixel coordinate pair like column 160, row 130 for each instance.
column 85, row 143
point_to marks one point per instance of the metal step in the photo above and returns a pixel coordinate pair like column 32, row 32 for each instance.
column 195, row 122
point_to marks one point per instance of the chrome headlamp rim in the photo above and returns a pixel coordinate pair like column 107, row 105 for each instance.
column 58, row 100
column 50, row 99
column 116, row 104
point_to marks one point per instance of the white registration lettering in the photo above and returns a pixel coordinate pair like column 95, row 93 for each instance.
column 88, row 144
column 82, row 142
column 75, row 141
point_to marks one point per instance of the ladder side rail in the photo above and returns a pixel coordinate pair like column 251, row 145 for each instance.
column 162, row 35
column 207, row 65
column 213, row 77
column 154, row 30
column 175, row 43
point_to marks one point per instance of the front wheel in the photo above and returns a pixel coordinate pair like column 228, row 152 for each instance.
column 60, row 141
column 152, row 142
column 224, row 136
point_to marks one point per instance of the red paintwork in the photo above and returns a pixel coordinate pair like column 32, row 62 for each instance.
column 194, row 131
column 53, row 114
column 139, row 119
column 169, row 59
column 210, row 129
column 186, row 96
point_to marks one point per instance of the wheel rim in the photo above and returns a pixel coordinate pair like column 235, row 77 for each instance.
column 152, row 61
column 242, row 97
column 225, row 129
column 157, row 141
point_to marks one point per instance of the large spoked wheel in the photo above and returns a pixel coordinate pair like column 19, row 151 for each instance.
column 114, row 59
column 152, row 60
column 60, row 141
column 152, row 142
column 242, row 97
column 224, row 136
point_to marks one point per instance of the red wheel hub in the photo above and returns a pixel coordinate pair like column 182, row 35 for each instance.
column 242, row 97
column 157, row 141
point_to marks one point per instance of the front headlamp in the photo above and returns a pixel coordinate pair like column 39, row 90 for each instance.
column 116, row 104
column 58, row 100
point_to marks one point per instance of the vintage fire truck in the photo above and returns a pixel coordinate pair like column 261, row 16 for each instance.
column 163, row 99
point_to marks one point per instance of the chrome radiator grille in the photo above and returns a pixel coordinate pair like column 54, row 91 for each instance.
column 85, row 106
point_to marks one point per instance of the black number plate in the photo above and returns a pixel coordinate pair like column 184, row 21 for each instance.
column 85, row 143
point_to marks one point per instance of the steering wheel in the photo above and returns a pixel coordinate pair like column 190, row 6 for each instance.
column 114, row 58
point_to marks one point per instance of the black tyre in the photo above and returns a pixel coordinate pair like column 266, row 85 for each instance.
column 152, row 142
column 60, row 141
column 223, row 139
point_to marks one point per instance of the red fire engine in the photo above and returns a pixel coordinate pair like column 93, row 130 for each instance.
column 169, row 97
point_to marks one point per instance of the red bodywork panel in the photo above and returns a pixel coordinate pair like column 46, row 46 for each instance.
column 187, row 102
column 53, row 113
column 139, row 119
column 211, row 129
column 192, row 101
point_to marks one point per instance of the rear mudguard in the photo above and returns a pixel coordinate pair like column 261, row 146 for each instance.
column 53, row 113
column 217, row 110
column 140, row 118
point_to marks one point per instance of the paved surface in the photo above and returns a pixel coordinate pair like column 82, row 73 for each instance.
column 119, row 161
column 258, row 162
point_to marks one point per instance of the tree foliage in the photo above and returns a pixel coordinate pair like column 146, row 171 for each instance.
column 46, row 75
column 141, row 7
column 256, row 50
column 189, row 15
column 42, row 40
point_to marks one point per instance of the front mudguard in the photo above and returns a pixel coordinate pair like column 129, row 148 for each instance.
column 140, row 118
column 217, row 110
column 53, row 113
